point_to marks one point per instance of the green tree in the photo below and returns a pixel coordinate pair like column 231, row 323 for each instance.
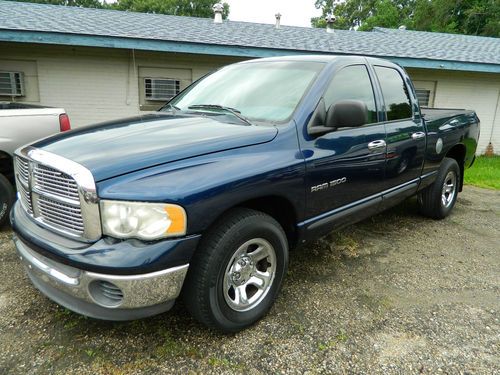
column 198, row 8
column 74, row 3
column 385, row 14
column 349, row 14
column 473, row 17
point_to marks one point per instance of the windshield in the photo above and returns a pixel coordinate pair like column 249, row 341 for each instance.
column 260, row 91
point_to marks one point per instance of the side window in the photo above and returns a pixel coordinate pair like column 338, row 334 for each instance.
column 396, row 97
column 352, row 82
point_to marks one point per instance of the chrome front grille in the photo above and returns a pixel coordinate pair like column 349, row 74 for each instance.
column 23, row 169
column 25, row 198
column 62, row 214
column 54, row 182
column 53, row 197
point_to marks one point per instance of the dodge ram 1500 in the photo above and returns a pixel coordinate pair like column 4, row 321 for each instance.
column 204, row 198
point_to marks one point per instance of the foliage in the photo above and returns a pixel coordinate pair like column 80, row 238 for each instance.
column 73, row 3
column 472, row 17
column 484, row 173
column 199, row 8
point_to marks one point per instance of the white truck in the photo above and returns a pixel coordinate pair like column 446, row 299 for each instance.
column 21, row 124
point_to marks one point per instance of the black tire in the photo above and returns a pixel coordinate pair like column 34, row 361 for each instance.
column 431, row 201
column 204, row 293
column 7, row 196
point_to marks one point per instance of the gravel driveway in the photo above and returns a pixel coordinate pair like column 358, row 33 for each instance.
column 396, row 293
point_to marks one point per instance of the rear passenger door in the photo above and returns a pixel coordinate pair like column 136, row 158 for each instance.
column 405, row 132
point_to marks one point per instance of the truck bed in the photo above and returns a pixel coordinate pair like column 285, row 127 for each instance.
column 23, row 123
column 13, row 105
column 433, row 114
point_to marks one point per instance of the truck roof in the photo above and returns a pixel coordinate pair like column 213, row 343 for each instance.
column 324, row 59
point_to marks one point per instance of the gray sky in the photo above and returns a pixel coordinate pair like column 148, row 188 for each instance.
column 294, row 12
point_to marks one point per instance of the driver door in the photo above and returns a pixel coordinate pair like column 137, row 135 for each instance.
column 346, row 166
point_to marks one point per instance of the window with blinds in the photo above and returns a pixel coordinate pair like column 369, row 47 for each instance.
column 161, row 89
column 11, row 84
column 425, row 91
column 423, row 97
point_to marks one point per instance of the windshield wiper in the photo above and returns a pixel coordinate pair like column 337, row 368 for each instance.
column 170, row 107
column 230, row 110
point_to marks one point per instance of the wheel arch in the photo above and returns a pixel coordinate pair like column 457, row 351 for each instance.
column 458, row 153
column 7, row 166
column 278, row 207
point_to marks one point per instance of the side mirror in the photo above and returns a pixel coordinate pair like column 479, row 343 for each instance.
column 316, row 125
column 347, row 113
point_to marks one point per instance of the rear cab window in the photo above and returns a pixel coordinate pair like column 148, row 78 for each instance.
column 395, row 93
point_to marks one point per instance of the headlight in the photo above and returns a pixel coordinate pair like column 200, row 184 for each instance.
column 146, row 221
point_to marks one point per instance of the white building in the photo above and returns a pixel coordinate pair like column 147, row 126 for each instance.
column 104, row 64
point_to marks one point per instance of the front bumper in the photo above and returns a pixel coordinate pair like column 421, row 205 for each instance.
column 106, row 256
column 103, row 296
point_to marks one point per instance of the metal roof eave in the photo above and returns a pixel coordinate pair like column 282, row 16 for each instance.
column 41, row 37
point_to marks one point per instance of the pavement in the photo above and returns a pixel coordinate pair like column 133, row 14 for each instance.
column 394, row 294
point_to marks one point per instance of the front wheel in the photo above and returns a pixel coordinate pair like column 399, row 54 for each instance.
column 7, row 196
column 237, row 272
column 437, row 200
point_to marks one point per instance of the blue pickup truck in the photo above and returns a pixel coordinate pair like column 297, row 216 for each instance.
column 203, row 199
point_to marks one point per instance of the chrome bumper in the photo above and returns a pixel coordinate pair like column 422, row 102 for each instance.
column 110, row 297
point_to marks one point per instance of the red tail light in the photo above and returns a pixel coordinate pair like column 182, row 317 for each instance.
column 64, row 123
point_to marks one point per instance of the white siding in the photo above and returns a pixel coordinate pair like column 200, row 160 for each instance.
column 95, row 85
column 477, row 91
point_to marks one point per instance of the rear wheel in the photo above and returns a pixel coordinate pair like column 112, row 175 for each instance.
column 7, row 196
column 437, row 200
column 237, row 273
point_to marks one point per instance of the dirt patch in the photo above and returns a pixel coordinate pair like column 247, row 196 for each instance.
column 397, row 293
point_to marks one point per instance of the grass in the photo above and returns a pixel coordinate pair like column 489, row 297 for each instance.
column 227, row 364
column 484, row 173
column 339, row 338
column 91, row 352
column 173, row 347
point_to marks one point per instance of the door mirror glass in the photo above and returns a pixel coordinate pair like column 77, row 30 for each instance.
column 347, row 113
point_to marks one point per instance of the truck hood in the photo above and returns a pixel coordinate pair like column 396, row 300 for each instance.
column 119, row 147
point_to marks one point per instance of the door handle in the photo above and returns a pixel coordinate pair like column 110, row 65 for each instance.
column 418, row 135
column 376, row 145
